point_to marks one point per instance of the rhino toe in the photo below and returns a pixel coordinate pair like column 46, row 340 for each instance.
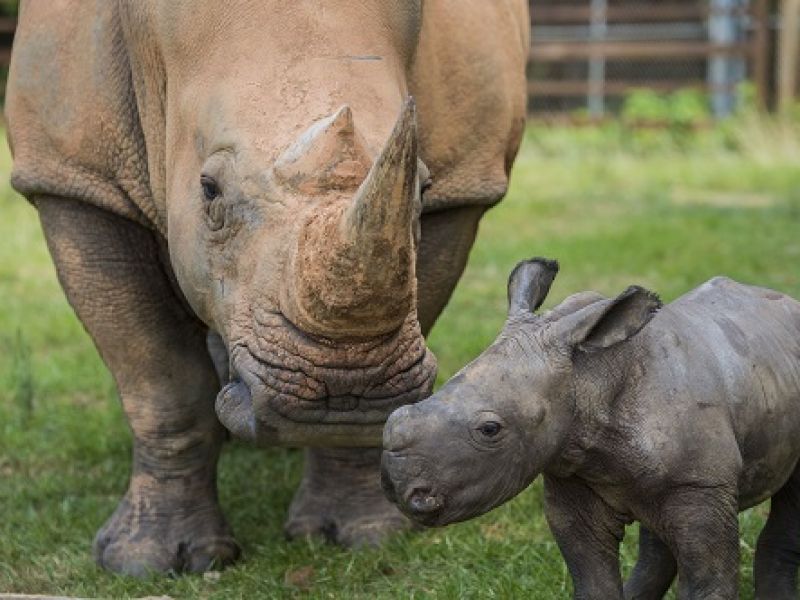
column 156, row 539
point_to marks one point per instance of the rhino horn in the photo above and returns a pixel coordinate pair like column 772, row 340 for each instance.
column 354, row 269
column 386, row 203
column 329, row 155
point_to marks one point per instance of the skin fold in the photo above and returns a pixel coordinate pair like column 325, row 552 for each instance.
column 676, row 417
column 258, row 209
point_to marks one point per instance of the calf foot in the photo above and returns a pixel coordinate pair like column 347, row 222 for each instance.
column 162, row 527
column 654, row 571
column 340, row 499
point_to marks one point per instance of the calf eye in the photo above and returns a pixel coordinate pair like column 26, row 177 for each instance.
column 210, row 187
column 490, row 428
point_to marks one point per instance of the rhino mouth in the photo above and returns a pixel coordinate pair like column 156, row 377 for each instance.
column 281, row 391
column 403, row 484
column 283, row 376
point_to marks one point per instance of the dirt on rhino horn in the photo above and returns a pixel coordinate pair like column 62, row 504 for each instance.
column 353, row 274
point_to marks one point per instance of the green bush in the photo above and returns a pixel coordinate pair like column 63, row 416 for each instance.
column 645, row 106
column 653, row 124
column 9, row 7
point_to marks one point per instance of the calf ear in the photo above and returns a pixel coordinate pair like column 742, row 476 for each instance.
column 604, row 324
column 529, row 284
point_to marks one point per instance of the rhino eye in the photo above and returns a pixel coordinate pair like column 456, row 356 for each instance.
column 426, row 185
column 490, row 428
column 210, row 187
column 214, row 206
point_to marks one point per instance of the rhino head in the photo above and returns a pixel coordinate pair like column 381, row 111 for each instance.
column 306, row 269
column 508, row 415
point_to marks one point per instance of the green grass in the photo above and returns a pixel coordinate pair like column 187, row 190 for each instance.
column 615, row 207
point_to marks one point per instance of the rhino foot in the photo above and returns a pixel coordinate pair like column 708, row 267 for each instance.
column 146, row 536
column 340, row 499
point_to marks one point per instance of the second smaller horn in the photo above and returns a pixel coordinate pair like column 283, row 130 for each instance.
column 353, row 274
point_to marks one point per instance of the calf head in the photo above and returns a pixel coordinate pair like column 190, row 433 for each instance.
column 502, row 419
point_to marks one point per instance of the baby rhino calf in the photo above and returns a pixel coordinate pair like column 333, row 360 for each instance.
column 677, row 418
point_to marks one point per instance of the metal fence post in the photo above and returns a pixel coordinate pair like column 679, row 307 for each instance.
column 598, row 31
column 725, row 70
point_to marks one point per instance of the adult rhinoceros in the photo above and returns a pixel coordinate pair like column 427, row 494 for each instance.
column 251, row 179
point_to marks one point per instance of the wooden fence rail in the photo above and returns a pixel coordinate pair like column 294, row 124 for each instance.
column 603, row 33
column 567, row 51
column 651, row 13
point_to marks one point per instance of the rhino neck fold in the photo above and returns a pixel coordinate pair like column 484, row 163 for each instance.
column 285, row 381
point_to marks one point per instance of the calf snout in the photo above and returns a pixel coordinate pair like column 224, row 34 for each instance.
column 405, row 482
column 423, row 503
column 399, row 473
column 397, row 433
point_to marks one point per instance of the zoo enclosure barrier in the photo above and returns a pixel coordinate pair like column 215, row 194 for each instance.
column 587, row 55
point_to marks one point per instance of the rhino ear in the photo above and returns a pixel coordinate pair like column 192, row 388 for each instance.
column 529, row 284
column 607, row 323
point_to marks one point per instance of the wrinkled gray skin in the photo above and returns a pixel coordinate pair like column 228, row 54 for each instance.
column 677, row 418
column 254, row 174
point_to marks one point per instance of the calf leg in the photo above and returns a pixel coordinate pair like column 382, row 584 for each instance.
column 114, row 275
column 700, row 526
column 778, row 549
column 588, row 532
column 654, row 571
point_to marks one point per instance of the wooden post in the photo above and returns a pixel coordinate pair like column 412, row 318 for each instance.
column 761, row 51
column 788, row 51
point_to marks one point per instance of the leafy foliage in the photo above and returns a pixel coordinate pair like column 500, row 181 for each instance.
column 9, row 7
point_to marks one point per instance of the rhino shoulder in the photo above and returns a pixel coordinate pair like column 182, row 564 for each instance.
column 468, row 78
column 71, row 109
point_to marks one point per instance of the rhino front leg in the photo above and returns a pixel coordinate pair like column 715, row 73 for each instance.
column 447, row 238
column 114, row 275
column 654, row 571
column 700, row 526
column 588, row 532
column 340, row 498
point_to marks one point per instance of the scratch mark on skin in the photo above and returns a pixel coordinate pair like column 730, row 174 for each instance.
column 360, row 57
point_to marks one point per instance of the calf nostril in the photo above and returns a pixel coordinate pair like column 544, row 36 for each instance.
column 422, row 501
